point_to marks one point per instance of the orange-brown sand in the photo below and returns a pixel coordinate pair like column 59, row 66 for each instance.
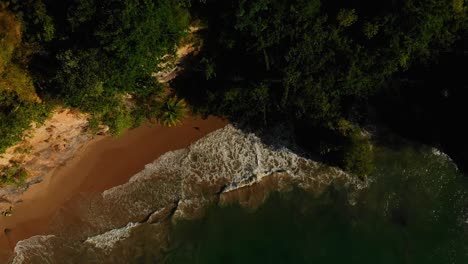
column 105, row 162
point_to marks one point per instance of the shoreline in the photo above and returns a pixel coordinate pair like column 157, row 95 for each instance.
column 102, row 163
column 227, row 166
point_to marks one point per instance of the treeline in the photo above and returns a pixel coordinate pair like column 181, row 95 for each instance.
column 427, row 103
column 97, row 56
column 19, row 103
column 320, row 67
column 314, row 64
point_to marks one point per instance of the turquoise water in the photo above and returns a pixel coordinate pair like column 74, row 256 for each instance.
column 412, row 213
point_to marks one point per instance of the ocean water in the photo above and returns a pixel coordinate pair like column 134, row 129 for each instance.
column 412, row 210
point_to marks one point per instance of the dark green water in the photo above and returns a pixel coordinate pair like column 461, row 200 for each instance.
column 412, row 213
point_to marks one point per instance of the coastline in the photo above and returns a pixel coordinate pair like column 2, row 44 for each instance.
column 102, row 163
column 224, row 167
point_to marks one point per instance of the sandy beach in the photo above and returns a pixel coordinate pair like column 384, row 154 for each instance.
column 103, row 163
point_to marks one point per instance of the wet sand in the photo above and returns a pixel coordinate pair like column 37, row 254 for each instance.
column 105, row 162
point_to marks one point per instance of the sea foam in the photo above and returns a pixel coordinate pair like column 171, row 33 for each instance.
column 36, row 247
column 107, row 240
column 224, row 160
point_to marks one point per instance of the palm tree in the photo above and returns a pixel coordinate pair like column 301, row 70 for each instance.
column 172, row 111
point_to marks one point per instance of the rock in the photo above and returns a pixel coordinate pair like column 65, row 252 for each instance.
column 162, row 214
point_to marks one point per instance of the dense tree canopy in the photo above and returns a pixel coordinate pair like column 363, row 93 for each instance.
column 313, row 62
column 308, row 63
column 14, row 76
column 97, row 56
column 311, row 58
column 19, row 103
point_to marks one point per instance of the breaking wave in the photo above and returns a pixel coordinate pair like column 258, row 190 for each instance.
column 178, row 183
column 107, row 240
column 36, row 247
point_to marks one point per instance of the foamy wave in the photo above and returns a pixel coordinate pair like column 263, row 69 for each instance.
column 222, row 161
column 439, row 153
column 235, row 157
column 107, row 240
column 33, row 247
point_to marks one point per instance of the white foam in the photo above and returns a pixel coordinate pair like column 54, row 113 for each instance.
column 107, row 240
column 36, row 246
column 227, row 155
column 240, row 158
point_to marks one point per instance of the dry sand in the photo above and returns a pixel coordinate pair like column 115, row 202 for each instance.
column 105, row 162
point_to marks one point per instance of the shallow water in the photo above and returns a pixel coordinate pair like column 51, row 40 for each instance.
column 412, row 213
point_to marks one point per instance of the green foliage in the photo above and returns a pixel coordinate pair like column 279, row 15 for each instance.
column 16, row 117
column 347, row 17
column 209, row 68
column 172, row 111
column 264, row 61
column 16, row 79
column 38, row 23
column 96, row 56
column 458, row 7
column 312, row 61
column 118, row 121
column 370, row 30
column 358, row 156
column 13, row 174
column 315, row 66
column 13, row 75
column 10, row 38
column 116, row 45
column 19, row 104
